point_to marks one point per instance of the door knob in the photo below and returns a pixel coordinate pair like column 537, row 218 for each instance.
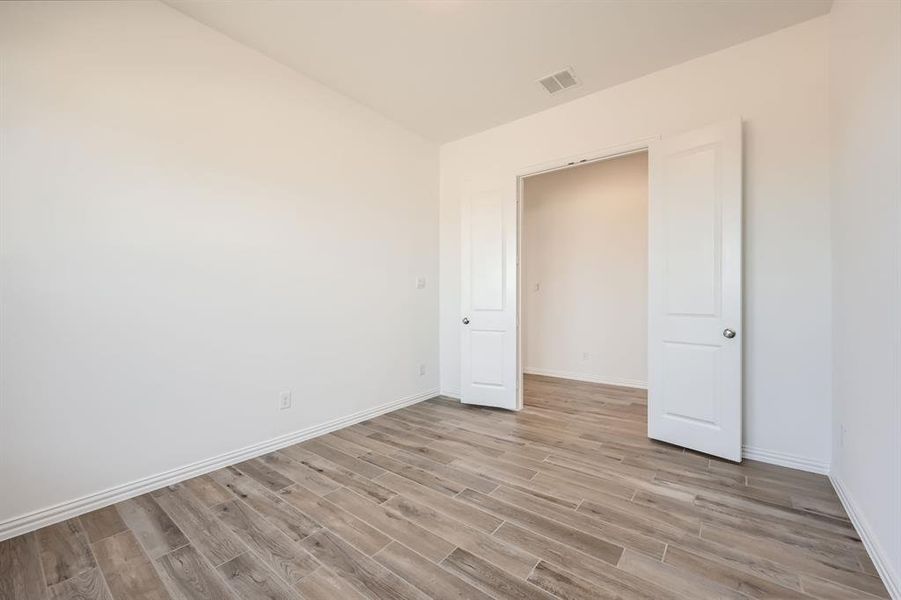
column 728, row 334
column 466, row 320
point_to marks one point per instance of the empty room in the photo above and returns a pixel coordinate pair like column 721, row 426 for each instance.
column 450, row 299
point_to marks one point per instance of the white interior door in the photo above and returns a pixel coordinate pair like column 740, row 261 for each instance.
column 694, row 321
column 489, row 370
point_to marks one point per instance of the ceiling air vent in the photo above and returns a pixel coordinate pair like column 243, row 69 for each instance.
column 559, row 81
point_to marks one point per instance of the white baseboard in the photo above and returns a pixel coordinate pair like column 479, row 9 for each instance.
column 622, row 382
column 79, row 506
column 880, row 558
column 455, row 393
column 783, row 459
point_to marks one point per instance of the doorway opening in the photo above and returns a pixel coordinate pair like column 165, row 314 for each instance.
column 584, row 277
column 694, row 293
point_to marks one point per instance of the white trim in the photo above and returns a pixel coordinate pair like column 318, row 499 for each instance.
column 455, row 393
column 619, row 381
column 784, row 459
column 79, row 506
column 878, row 555
column 596, row 155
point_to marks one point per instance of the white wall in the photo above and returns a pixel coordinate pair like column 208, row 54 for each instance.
column 189, row 228
column 866, row 236
column 585, row 246
column 778, row 84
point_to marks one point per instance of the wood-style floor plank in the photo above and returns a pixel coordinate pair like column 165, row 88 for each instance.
column 493, row 580
column 207, row 490
column 325, row 584
column 564, row 585
column 420, row 476
column 277, row 550
column 127, row 570
column 606, row 579
column 393, row 524
column 352, row 435
column 366, row 575
column 510, row 558
column 90, row 585
column 462, row 476
column 685, row 583
column 432, row 580
column 251, row 579
column 356, row 531
column 746, row 583
column 206, row 532
column 351, row 463
column 155, row 530
column 259, row 469
column 473, row 517
column 823, row 589
column 274, row 509
column 583, row 535
column 300, row 473
column 188, row 576
column 64, row 552
column 827, row 567
column 20, row 569
column 341, row 476
column 102, row 523
column 567, row 499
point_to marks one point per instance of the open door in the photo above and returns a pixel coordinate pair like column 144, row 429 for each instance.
column 694, row 320
column 489, row 369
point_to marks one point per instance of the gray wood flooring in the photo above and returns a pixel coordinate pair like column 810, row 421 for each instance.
column 566, row 499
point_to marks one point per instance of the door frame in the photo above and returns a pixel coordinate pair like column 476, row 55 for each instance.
column 567, row 162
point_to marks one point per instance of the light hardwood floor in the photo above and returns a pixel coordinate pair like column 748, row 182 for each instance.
column 566, row 499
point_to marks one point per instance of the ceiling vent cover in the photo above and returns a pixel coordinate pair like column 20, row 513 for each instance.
column 559, row 81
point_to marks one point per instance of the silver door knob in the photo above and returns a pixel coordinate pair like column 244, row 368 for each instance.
column 728, row 334
column 466, row 320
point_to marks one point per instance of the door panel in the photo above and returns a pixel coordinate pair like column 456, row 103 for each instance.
column 486, row 227
column 689, row 370
column 692, row 234
column 489, row 370
column 694, row 370
column 487, row 357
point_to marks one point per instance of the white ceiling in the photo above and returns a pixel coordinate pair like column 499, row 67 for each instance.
column 446, row 69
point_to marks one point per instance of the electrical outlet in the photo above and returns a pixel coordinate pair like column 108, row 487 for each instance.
column 420, row 283
column 841, row 436
column 284, row 400
column 585, row 356
column 422, row 368
column 536, row 287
